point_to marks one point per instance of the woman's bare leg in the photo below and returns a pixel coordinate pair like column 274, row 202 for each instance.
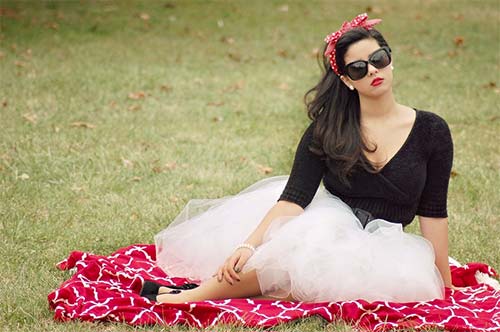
column 248, row 286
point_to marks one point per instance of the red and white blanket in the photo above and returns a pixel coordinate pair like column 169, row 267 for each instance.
column 106, row 288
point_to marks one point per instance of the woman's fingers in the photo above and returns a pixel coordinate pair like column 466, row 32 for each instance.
column 219, row 274
column 240, row 263
column 233, row 271
column 231, row 267
column 227, row 275
column 231, row 275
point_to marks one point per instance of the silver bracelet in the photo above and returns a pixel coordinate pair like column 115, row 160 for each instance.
column 247, row 246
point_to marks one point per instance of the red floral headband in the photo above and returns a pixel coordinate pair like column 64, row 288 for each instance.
column 359, row 21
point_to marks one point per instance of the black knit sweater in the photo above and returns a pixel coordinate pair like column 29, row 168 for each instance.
column 414, row 182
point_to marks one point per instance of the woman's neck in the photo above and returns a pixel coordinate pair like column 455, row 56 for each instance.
column 377, row 109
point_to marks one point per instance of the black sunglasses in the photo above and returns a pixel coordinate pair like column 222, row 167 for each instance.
column 381, row 58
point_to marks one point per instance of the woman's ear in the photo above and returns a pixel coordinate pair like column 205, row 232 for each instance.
column 346, row 82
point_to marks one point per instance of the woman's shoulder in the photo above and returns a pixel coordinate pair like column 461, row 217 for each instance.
column 432, row 119
column 434, row 129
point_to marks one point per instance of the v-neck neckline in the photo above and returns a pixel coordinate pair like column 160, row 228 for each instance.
column 401, row 148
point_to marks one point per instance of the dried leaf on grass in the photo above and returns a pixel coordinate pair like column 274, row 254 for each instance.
column 261, row 168
column 81, row 124
column 234, row 56
column 374, row 10
column 23, row 177
column 458, row 41
column 166, row 88
column 134, row 108
column 30, row 117
column 52, row 25
column 233, row 87
column 227, row 40
column 282, row 53
column 144, row 16
column 491, row 85
column 20, row 64
column 215, row 103
column 9, row 12
column 264, row 169
column 137, row 95
column 127, row 163
column 170, row 166
column 283, row 86
column 283, row 8
column 417, row 52
column 76, row 188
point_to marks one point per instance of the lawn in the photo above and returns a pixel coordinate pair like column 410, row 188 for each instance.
column 114, row 114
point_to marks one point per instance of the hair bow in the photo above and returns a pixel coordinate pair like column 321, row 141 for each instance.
column 359, row 21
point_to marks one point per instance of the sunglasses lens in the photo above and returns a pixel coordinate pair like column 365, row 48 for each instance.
column 357, row 70
column 380, row 59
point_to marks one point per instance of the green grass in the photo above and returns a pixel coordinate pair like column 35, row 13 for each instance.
column 233, row 76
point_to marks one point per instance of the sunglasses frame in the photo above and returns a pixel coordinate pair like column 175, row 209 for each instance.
column 387, row 50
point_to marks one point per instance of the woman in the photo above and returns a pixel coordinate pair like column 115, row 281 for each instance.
column 381, row 164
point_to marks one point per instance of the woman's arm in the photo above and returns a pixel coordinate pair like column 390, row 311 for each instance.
column 436, row 231
column 304, row 180
column 234, row 263
column 280, row 209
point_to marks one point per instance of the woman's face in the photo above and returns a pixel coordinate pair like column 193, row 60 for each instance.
column 376, row 81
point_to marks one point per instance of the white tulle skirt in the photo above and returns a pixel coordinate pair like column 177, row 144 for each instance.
column 323, row 254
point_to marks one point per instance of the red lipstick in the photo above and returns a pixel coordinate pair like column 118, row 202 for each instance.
column 377, row 81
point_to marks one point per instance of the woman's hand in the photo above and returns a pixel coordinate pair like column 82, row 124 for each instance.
column 233, row 265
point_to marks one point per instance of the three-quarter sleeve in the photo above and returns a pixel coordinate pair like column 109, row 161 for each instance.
column 433, row 201
column 306, row 174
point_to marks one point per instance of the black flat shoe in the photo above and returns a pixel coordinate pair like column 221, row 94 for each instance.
column 154, row 297
column 151, row 287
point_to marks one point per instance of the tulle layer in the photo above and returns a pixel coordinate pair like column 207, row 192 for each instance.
column 323, row 254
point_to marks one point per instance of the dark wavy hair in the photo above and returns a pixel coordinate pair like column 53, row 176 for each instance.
column 335, row 109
